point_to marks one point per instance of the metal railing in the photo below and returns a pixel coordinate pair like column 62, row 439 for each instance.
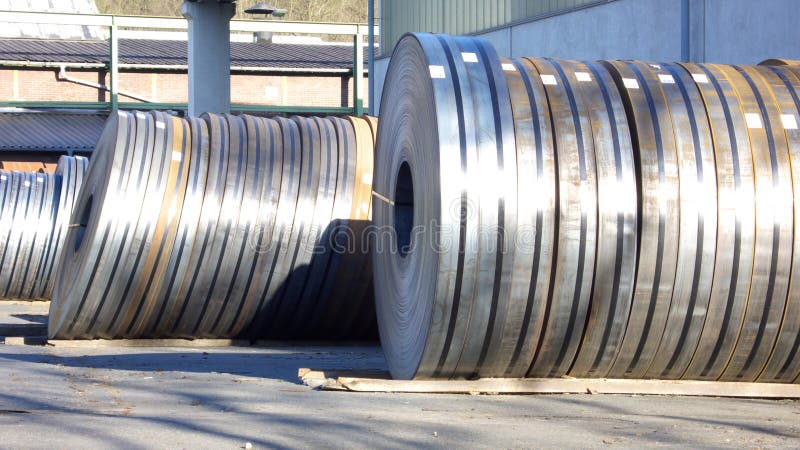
column 114, row 23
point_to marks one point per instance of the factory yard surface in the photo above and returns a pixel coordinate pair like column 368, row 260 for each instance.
column 226, row 397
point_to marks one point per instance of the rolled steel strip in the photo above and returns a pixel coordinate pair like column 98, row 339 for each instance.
column 132, row 232
column 486, row 152
column 784, row 365
column 34, row 209
column 97, row 207
column 774, row 233
column 201, row 234
column 21, row 212
column 536, row 193
column 311, row 260
column 322, row 260
column 347, row 278
column 7, row 222
column 162, row 237
column 735, row 226
column 415, row 306
column 219, row 232
column 363, row 324
column 336, row 237
column 276, row 251
column 258, row 208
column 42, row 225
column 702, row 299
column 658, row 229
column 617, row 217
column 698, row 206
column 222, row 260
column 71, row 172
column 152, row 324
column 498, row 228
column 282, row 169
column 313, row 190
column 28, row 225
column 571, row 280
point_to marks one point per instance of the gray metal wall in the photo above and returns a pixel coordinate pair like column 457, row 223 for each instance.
column 721, row 31
column 460, row 16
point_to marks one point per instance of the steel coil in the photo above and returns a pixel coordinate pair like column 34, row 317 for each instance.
column 220, row 227
column 34, row 216
column 622, row 219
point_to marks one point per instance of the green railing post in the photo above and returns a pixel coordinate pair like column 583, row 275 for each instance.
column 358, row 73
column 113, row 69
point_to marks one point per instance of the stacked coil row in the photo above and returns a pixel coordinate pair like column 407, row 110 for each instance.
column 592, row 219
column 220, row 227
column 34, row 215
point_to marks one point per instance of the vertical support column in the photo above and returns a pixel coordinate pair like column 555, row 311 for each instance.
column 697, row 31
column 209, row 55
column 113, row 63
column 358, row 72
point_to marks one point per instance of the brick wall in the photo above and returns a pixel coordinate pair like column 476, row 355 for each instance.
column 171, row 87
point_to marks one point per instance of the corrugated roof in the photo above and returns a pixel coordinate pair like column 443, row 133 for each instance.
column 50, row 131
column 51, row 31
column 173, row 53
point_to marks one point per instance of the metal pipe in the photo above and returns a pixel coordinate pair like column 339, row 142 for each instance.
column 62, row 76
column 685, row 18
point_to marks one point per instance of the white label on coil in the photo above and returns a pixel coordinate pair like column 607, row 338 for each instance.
column 549, row 79
column 700, row 78
column 140, row 115
column 27, row 183
column 366, row 178
column 753, row 120
column 176, row 155
column 789, row 121
column 3, row 177
column 630, row 83
column 583, row 76
column 40, row 179
column 469, row 57
column 160, row 125
column 508, row 67
column 655, row 66
column 666, row 78
column 436, row 71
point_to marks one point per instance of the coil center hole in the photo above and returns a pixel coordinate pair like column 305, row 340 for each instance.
column 404, row 209
column 82, row 221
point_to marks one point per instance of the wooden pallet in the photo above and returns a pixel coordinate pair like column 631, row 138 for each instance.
column 379, row 381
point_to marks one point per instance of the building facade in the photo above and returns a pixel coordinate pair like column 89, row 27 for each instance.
column 720, row 31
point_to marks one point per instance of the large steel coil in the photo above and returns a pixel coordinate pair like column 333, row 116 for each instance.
column 220, row 227
column 34, row 215
column 546, row 217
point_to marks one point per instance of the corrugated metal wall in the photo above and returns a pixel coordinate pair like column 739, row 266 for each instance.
column 459, row 16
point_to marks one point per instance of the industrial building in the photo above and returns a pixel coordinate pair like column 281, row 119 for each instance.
column 719, row 31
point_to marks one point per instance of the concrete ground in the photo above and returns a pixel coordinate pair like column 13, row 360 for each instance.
column 226, row 397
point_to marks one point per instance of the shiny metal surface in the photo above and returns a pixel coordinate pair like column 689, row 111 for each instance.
column 784, row 363
column 34, row 214
column 735, row 226
column 654, row 218
column 536, row 191
column 615, row 262
column 220, row 234
column 774, row 227
column 698, row 225
column 658, row 221
column 571, row 279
